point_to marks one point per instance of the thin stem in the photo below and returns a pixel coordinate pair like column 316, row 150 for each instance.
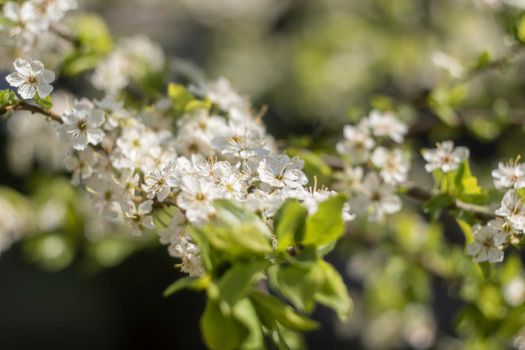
column 26, row 106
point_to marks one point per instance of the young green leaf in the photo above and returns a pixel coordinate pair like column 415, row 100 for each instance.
column 45, row 103
column 333, row 292
column 7, row 98
column 241, row 240
column 233, row 214
column 245, row 313
column 289, row 223
column 272, row 308
column 297, row 284
column 221, row 331
column 326, row 225
column 186, row 282
column 237, row 280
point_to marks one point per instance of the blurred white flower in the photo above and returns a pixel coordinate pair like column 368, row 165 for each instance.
column 445, row 157
column 81, row 165
column 509, row 175
column 385, row 124
column 484, row 247
column 393, row 164
column 447, row 62
column 25, row 22
column 357, row 144
column 512, row 209
column 380, row 197
column 514, row 291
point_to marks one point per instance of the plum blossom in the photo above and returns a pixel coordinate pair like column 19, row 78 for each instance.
column 195, row 197
column 380, row 197
column 512, row 209
column 81, row 165
column 282, row 171
column 485, row 247
column 25, row 22
column 31, row 78
column 82, row 125
column 357, row 144
column 509, row 175
column 445, row 157
column 385, row 124
column 138, row 218
column 393, row 165
column 159, row 182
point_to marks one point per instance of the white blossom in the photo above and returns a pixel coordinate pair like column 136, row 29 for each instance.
column 393, row 164
column 81, row 165
column 385, row 124
column 445, row 157
column 484, row 247
column 356, row 145
column 138, row 218
column 281, row 171
column 195, row 197
column 509, row 175
column 380, row 197
column 26, row 23
column 82, row 125
column 512, row 209
column 159, row 182
column 31, row 78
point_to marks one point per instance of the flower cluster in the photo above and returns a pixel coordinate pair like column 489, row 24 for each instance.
column 509, row 226
column 132, row 167
column 27, row 20
column 372, row 169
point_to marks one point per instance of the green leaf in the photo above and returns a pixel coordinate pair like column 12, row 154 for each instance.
column 233, row 214
column 186, row 282
column 289, row 223
column 466, row 184
column 241, row 240
column 180, row 96
column 237, row 280
column 7, row 98
column 221, row 331
column 270, row 308
column 483, row 60
column 326, row 225
column 297, row 284
column 245, row 313
column 92, row 43
column 466, row 229
column 236, row 232
column 437, row 203
column 333, row 292
column 45, row 103
column 521, row 29
column 444, row 99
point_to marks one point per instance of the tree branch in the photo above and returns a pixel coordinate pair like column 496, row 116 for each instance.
column 25, row 106
column 414, row 192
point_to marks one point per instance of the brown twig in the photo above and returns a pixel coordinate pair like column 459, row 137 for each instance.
column 25, row 106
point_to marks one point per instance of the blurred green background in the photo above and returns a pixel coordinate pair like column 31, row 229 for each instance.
column 316, row 65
